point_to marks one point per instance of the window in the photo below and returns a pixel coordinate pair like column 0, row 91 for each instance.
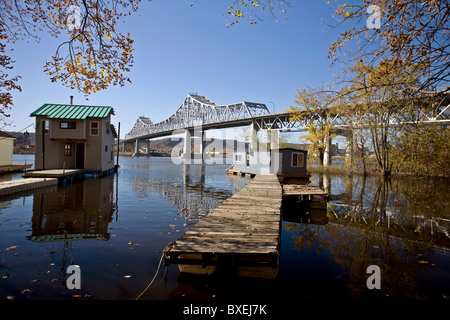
column 297, row 159
column 67, row 149
column 106, row 148
column 94, row 128
column 46, row 125
column 67, row 125
column 238, row 157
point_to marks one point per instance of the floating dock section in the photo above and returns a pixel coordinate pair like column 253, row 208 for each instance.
column 54, row 173
column 303, row 192
column 15, row 168
column 242, row 233
column 14, row 186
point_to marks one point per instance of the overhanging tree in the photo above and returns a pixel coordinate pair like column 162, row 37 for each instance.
column 93, row 53
column 411, row 31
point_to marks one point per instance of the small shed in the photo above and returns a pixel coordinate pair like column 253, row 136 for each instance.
column 290, row 161
column 6, row 148
column 284, row 162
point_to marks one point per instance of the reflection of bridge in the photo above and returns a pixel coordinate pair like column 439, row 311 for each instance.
column 197, row 114
column 189, row 196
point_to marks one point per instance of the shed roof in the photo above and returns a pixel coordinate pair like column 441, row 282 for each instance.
column 75, row 112
column 293, row 149
column 4, row 134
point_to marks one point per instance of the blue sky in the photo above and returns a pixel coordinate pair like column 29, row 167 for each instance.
column 181, row 48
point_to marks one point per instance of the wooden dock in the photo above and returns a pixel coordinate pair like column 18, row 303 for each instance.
column 15, row 167
column 303, row 192
column 243, row 232
column 62, row 175
column 15, row 186
column 53, row 173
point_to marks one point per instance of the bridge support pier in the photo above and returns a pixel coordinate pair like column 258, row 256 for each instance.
column 199, row 147
column 274, row 139
column 253, row 138
column 327, row 153
column 199, row 157
column 148, row 146
column 349, row 150
column 186, row 146
column 136, row 148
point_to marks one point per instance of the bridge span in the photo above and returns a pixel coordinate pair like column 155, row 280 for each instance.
column 198, row 114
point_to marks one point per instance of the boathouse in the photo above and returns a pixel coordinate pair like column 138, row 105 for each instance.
column 74, row 137
column 284, row 162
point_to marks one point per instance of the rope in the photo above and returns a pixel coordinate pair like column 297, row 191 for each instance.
column 151, row 282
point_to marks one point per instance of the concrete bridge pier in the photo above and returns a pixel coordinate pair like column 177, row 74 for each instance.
column 349, row 149
column 137, row 151
column 136, row 148
column 186, row 146
column 199, row 146
column 327, row 153
column 253, row 138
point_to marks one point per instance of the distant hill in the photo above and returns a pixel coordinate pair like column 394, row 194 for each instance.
column 228, row 144
column 20, row 137
column 219, row 144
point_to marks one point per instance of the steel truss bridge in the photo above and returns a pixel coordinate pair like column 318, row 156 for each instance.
column 199, row 112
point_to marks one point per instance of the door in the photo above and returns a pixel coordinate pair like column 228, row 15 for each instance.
column 80, row 156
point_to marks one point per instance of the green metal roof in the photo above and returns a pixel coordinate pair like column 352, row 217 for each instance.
column 76, row 112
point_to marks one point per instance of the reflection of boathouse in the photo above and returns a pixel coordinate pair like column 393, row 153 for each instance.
column 75, row 212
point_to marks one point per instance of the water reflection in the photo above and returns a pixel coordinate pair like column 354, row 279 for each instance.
column 400, row 225
column 125, row 220
column 189, row 193
column 74, row 212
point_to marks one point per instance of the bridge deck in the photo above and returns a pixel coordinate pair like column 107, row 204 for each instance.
column 244, row 232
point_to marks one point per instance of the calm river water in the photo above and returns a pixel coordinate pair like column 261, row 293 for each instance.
column 116, row 227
